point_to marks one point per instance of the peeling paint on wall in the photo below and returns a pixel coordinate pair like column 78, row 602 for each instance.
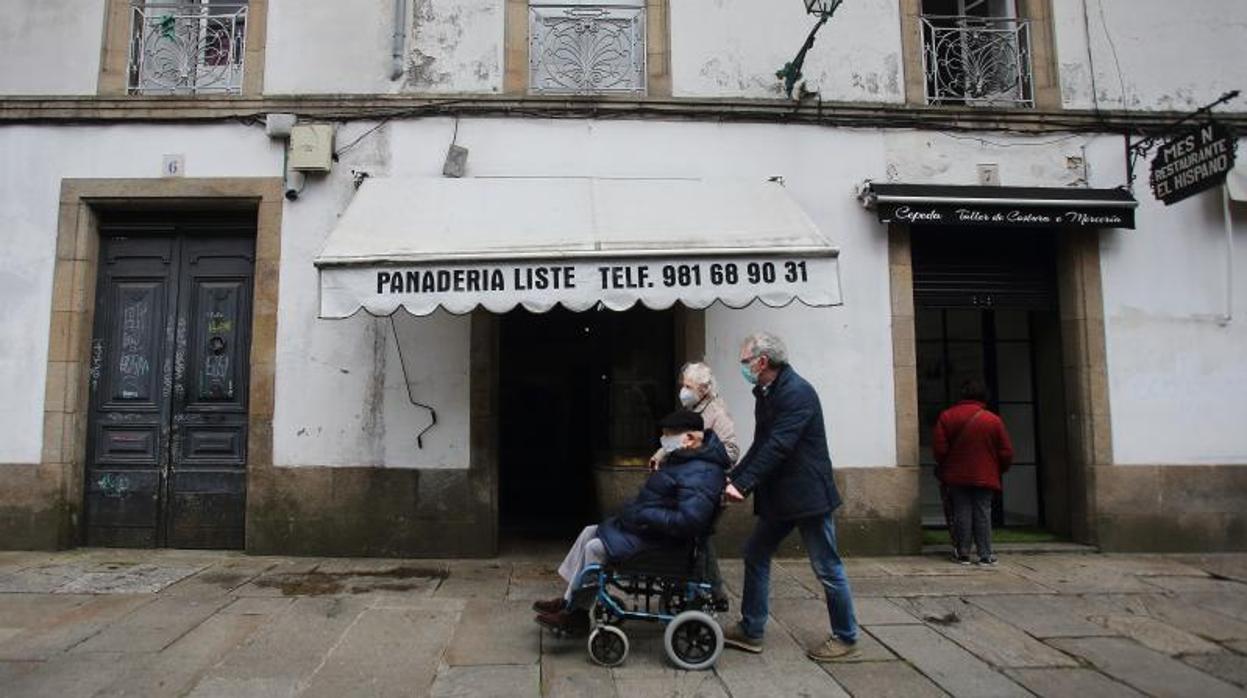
column 456, row 46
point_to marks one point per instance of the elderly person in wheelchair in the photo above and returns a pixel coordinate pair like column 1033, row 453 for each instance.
column 664, row 527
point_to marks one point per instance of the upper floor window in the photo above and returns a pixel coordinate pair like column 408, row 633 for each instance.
column 187, row 46
column 579, row 47
column 977, row 53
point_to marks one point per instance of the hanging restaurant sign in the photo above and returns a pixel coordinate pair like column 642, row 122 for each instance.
column 1193, row 162
column 580, row 284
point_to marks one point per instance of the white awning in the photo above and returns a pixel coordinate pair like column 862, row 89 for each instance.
column 498, row 243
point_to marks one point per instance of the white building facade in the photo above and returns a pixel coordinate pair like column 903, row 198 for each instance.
column 174, row 379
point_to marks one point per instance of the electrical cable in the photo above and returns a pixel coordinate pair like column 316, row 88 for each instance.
column 407, row 382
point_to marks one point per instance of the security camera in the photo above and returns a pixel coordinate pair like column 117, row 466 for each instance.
column 293, row 185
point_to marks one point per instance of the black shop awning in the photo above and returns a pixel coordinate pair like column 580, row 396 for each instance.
column 1000, row 207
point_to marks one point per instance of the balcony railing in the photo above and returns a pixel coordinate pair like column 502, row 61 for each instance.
column 187, row 47
column 978, row 61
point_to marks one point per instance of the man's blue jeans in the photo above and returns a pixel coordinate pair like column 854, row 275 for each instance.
column 819, row 535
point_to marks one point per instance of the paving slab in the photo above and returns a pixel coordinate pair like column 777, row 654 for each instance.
column 1145, row 630
column 1149, row 671
column 153, row 627
column 476, row 579
column 1231, row 604
column 21, row 611
column 69, row 628
column 39, row 579
column 1224, row 565
column 952, row 668
column 533, row 581
column 747, row 675
column 178, row 668
column 1238, row 646
column 567, row 672
column 925, row 566
column 1209, row 585
column 67, row 675
column 495, row 632
column 279, row 658
column 883, row 680
column 872, row 610
column 413, row 640
column 220, row 578
column 1076, row 574
column 1062, row 683
column 1043, row 615
column 995, row 581
column 121, row 578
column 672, row 682
column 1180, row 614
column 991, row 639
column 807, row 622
column 507, row 681
column 1225, row 666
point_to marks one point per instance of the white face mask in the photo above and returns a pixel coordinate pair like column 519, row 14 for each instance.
column 688, row 398
column 671, row 443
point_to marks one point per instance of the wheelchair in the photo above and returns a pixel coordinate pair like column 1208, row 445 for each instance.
column 669, row 585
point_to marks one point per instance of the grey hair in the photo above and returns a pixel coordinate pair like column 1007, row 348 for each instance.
column 701, row 376
column 768, row 345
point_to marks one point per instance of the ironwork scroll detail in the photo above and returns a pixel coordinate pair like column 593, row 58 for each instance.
column 981, row 61
column 586, row 50
column 187, row 47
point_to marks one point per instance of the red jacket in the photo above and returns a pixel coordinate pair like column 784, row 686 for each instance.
column 977, row 457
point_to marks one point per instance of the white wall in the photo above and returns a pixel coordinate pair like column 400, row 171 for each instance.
column 50, row 47
column 1150, row 54
column 733, row 49
column 35, row 160
column 452, row 46
column 1177, row 376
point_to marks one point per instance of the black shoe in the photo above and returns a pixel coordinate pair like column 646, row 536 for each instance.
column 989, row 561
column 963, row 559
column 565, row 623
column 550, row 605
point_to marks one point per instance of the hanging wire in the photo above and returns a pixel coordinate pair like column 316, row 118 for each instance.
column 407, row 382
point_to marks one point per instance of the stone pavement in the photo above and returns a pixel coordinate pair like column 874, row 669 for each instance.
column 182, row 623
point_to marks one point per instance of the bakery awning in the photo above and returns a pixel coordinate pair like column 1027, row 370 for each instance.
column 1005, row 207
column 499, row 243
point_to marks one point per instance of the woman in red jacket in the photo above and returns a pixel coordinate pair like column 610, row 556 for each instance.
column 972, row 450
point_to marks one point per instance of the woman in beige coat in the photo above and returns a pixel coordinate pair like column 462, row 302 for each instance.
column 698, row 392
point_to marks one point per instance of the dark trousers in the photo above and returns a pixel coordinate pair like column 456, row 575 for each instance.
column 972, row 514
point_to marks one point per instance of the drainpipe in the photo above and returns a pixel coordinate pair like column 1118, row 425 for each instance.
column 1229, row 257
column 400, row 39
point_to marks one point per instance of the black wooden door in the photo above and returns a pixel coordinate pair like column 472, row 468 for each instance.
column 166, row 460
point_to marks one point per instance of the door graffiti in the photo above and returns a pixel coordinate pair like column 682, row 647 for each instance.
column 166, row 461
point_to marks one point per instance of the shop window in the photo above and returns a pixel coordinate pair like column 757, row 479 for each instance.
column 976, row 53
column 578, row 47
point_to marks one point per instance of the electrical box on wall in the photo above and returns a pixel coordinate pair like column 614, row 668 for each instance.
column 311, row 147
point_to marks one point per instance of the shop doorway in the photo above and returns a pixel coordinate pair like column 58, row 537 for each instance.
column 169, row 382
column 985, row 304
column 579, row 395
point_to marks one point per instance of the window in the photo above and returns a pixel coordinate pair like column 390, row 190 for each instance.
column 187, row 46
column 976, row 53
column 578, row 47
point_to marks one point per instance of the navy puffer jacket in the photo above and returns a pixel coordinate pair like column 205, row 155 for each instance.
column 676, row 503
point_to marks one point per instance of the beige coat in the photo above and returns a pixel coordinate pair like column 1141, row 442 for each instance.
column 714, row 416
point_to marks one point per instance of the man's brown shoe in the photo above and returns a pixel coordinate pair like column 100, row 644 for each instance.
column 550, row 605
column 833, row 650
column 736, row 638
column 571, row 623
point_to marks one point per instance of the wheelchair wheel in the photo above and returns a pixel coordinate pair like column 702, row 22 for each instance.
column 608, row 645
column 693, row 641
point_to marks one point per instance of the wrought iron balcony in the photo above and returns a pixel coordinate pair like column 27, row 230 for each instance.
column 187, row 47
column 978, row 61
column 587, row 49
